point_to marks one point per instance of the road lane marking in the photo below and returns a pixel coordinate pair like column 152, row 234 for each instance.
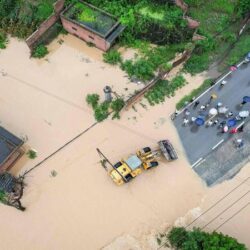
column 215, row 146
column 197, row 162
column 240, row 125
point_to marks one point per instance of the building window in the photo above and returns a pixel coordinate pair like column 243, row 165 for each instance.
column 91, row 37
column 74, row 28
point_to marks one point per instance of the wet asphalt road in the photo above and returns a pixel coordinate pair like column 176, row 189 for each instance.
column 200, row 141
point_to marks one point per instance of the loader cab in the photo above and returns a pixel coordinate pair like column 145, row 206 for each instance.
column 126, row 170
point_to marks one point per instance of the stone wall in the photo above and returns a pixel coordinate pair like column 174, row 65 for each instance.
column 34, row 38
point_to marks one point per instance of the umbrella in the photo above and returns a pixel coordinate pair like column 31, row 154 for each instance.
column 244, row 114
column 223, row 110
column 225, row 129
column 199, row 121
column 231, row 122
column 246, row 99
column 233, row 131
column 213, row 111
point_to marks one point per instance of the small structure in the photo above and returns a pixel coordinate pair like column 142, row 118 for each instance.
column 10, row 149
column 91, row 24
column 108, row 93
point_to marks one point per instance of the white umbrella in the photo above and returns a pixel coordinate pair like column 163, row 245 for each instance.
column 213, row 111
column 244, row 114
column 223, row 110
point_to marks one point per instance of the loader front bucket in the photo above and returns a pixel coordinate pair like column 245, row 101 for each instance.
column 167, row 150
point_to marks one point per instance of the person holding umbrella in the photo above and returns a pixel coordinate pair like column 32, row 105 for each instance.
column 245, row 100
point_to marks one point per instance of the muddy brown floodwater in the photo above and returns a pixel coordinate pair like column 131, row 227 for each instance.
column 81, row 208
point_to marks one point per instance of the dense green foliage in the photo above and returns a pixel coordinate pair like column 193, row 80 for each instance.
column 3, row 40
column 219, row 24
column 180, row 238
column 163, row 89
column 117, row 106
column 103, row 109
column 20, row 18
column 195, row 93
column 239, row 50
column 244, row 7
column 142, row 22
column 112, row 57
column 40, row 51
column 93, row 99
column 140, row 68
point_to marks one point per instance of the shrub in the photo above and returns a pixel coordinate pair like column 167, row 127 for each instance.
column 3, row 40
column 32, row 154
column 163, row 89
column 165, row 67
column 102, row 111
column 239, row 51
column 197, row 63
column 93, row 99
column 40, row 51
column 141, row 69
column 243, row 7
column 112, row 57
column 117, row 106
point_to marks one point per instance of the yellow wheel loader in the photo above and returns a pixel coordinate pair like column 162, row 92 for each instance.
column 146, row 158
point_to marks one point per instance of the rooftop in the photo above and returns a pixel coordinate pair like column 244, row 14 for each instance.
column 9, row 143
column 92, row 18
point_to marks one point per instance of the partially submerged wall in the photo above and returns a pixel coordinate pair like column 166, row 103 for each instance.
column 84, row 34
column 192, row 24
column 34, row 38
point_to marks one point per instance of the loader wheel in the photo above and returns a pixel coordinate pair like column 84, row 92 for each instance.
column 153, row 164
column 118, row 164
column 146, row 149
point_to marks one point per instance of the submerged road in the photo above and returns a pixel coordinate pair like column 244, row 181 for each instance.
column 200, row 141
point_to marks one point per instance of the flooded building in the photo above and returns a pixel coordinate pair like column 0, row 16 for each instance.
column 10, row 149
column 91, row 24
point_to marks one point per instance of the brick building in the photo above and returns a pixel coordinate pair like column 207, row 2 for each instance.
column 91, row 24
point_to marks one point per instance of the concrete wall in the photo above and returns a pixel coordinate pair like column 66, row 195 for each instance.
column 85, row 34
column 35, row 37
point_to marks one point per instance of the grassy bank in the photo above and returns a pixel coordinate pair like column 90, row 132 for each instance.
column 194, row 93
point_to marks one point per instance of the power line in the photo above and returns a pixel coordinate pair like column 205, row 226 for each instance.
column 216, row 203
column 232, row 216
column 59, row 149
column 225, row 210
column 202, row 214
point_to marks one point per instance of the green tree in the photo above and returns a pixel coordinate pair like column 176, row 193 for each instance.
column 180, row 238
column 102, row 111
column 117, row 106
column 93, row 99
column 243, row 7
